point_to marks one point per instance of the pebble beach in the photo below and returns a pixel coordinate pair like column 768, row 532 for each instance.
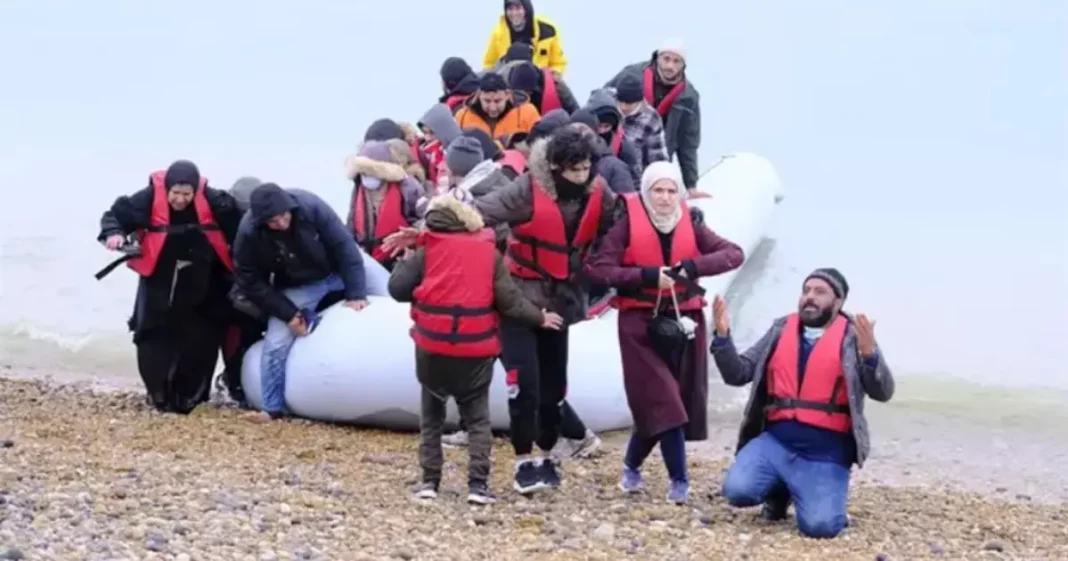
column 96, row 475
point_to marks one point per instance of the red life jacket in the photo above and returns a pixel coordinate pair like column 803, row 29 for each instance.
column 822, row 400
column 154, row 237
column 390, row 219
column 455, row 101
column 669, row 99
column 453, row 305
column 643, row 250
column 550, row 98
column 617, row 140
column 434, row 156
column 516, row 160
column 539, row 249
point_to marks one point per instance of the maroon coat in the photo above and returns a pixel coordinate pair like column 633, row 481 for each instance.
column 659, row 400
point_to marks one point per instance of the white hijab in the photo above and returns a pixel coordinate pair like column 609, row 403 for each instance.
column 656, row 171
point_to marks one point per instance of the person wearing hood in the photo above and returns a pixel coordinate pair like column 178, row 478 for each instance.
column 458, row 284
column 184, row 229
column 458, row 82
column 439, row 130
column 610, row 128
column 616, row 173
column 496, row 110
column 540, row 86
column 641, row 123
column 667, row 89
column 519, row 24
column 384, row 195
column 557, row 212
column 654, row 259
column 292, row 250
column 804, row 425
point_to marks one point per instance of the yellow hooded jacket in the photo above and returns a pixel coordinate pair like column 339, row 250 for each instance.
column 548, row 52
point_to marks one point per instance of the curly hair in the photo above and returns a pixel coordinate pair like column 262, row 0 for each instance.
column 568, row 147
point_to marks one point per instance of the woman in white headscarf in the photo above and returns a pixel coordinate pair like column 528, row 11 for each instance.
column 653, row 259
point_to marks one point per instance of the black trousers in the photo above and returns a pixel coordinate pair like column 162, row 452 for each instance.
column 535, row 363
column 177, row 362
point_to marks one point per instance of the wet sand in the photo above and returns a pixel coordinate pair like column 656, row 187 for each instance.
column 96, row 475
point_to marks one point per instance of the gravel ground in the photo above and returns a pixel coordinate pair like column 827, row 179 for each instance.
column 87, row 475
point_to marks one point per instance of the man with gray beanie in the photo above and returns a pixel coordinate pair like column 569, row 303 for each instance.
column 804, row 426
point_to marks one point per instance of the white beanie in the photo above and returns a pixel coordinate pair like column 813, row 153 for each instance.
column 661, row 170
column 673, row 45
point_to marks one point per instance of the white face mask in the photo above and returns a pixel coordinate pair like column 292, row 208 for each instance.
column 813, row 333
column 371, row 183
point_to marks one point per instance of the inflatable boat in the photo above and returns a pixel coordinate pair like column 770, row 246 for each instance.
column 359, row 367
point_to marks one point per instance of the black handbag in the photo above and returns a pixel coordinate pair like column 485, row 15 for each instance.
column 669, row 335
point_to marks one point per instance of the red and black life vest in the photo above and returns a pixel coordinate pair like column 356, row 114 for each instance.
column 822, row 400
column 516, row 160
column 453, row 305
column 643, row 250
column 153, row 238
column 390, row 219
column 539, row 248
column 550, row 96
column 648, row 88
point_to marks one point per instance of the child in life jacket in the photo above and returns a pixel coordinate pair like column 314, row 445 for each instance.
column 458, row 285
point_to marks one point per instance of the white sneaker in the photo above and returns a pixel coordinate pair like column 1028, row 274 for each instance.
column 457, row 439
column 586, row 447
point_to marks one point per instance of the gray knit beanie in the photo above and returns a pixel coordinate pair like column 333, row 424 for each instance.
column 463, row 155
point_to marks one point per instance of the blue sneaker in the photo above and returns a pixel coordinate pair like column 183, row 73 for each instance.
column 631, row 482
column 678, row 492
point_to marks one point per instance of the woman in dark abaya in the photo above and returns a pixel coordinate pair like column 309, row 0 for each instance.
column 181, row 311
column 653, row 258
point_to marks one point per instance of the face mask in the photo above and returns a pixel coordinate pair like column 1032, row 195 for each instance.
column 371, row 183
column 813, row 333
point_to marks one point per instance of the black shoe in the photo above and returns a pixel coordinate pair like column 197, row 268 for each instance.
column 480, row 494
column 774, row 510
column 427, row 490
column 528, row 478
column 548, row 473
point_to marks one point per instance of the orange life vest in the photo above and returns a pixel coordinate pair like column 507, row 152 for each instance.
column 390, row 219
column 643, row 250
column 648, row 90
column 516, row 160
column 550, row 97
column 822, row 400
column 154, row 237
column 539, row 249
column 453, row 305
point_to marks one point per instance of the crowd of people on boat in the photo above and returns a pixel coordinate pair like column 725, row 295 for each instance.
column 504, row 216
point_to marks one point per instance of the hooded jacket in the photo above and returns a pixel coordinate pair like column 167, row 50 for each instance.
column 390, row 161
column 603, row 100
column 316, row 245
column 442, row 124
column 548, row 50
column 682, row 126
column 447, row 214
column 513, row 204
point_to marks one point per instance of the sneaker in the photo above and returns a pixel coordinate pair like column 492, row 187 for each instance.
column 480, row 494
column 427, row 490
column 631, row 482
column 586, row 447
column 528, row 477
column 678, row 492
column 457, row 439
column 548, row 473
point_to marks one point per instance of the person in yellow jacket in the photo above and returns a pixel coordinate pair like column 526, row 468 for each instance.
column 519, row 25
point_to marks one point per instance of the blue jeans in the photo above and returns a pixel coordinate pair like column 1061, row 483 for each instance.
column 279, row 339
column 820, row 490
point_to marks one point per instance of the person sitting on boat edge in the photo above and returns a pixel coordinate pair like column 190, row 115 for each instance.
column 291, row 251
column 641, row 123
column 804, row 425
column 540, row 87
column 665, row 371
column 181, row 312
column 666, row 87
column 439, row 129
column 615, row 172
column 458, row 284
column 496, row 110
column 384, row 195
column 458, row 82
column 519, row 24
column 610, row 128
